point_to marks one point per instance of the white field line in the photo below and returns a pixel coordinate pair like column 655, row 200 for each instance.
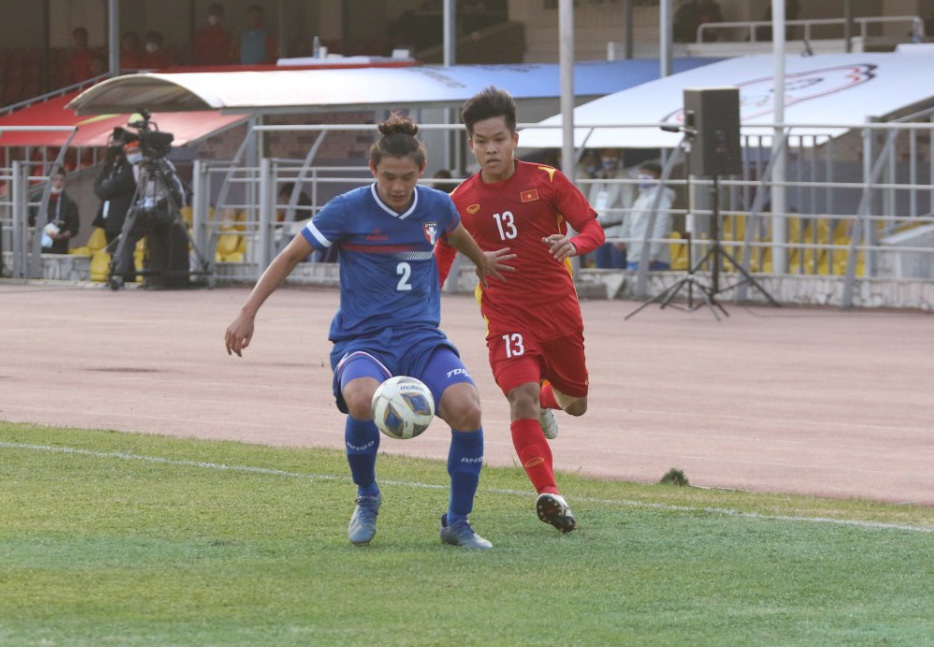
column 523, row 493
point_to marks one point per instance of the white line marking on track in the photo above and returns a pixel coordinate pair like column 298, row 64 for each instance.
column 328, row 477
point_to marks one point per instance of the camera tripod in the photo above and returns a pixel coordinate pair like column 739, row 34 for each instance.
column 157, row 177
column 714, row 254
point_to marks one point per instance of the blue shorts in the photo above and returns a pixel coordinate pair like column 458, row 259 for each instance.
column 424, row 354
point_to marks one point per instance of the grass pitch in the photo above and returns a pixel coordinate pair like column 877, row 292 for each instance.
column 113, row 539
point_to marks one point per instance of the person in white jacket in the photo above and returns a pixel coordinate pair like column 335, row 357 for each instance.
column 638, row 219
column 610, row 199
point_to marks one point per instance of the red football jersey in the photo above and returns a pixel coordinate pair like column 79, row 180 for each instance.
column 539, row 297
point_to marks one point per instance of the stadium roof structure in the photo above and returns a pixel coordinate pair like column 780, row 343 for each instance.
column 94, row 131
column 826, row 95
column 319, row 90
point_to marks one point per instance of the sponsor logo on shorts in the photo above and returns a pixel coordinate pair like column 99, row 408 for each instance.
column 532, row 462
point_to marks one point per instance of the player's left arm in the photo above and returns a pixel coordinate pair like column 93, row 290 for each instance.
column 575, row 208
column 488, row 263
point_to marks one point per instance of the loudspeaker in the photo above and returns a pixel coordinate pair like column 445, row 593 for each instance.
column 714, row 114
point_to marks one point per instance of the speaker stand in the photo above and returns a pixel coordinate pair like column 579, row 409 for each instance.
column 714, row 254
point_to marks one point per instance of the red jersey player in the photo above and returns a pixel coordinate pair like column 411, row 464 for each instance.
column 534, row 327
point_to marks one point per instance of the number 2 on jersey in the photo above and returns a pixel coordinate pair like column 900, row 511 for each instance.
column 514, row 345
column 404, row 270
column 506, row 224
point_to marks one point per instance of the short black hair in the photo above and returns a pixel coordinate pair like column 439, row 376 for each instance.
column 652, row 167
column 489, row 103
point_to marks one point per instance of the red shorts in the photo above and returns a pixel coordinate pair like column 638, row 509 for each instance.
column 518, row 358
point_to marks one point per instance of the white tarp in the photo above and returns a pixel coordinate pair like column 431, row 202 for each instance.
column 339, row 89
column 839, row 90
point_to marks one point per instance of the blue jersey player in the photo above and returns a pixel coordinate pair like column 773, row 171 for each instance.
column 388, row 319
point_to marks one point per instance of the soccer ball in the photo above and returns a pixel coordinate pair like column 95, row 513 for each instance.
column 403, row 407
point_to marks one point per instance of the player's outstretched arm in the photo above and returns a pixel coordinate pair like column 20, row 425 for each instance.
column 240, row 331
column 488, row 263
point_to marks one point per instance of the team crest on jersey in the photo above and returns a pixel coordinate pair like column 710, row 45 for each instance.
column 472, row 209
column 529, row 195
column 431, row 232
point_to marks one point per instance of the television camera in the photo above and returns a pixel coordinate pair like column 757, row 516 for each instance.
column 153, row 143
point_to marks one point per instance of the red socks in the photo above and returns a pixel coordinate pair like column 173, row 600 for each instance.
column 535, row 454
column 547, row 397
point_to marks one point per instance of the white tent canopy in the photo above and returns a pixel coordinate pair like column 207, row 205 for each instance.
column 342, row 89
column 834, row 91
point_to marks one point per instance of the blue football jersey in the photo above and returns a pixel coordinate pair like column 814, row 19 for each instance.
column 388, row 274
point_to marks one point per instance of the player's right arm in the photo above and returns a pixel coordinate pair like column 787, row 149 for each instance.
column 240, row 332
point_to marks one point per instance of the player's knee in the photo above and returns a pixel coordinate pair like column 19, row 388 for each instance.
column 460, row 407
column 358, row 395
column 359, row 408
column 465, row 416
column 576, row 407
column 523, row 401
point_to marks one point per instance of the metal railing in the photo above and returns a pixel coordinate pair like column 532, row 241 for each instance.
column 871, row 217
column 747, row 29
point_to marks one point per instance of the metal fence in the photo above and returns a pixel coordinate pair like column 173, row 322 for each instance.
column 859, row 206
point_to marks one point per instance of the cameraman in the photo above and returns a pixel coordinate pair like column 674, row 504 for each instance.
column 115, row 186
column 159, row 194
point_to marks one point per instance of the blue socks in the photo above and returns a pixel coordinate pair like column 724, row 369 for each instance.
column 465, row 458
column 362, row 440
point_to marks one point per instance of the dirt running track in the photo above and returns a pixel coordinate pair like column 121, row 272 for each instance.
column 809, row 401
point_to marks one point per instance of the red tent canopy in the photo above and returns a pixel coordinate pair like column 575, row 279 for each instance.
column 94, row 130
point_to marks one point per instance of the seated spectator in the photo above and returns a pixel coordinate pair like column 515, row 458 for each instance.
column 691, row 15
column 131, row 55
column 153, row 57
column 214, row 45
column 636, row 223
column 284, row 198
column 63, row 221
column 257, row 45
column 588, row 167
column 81, row 55
column 444, row 174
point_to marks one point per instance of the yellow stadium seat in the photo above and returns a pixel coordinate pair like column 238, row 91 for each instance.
column 97, row 240
column 100, row 266
column 677, row 249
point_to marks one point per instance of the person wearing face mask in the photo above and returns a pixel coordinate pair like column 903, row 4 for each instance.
column 610, row 197
column 115, row 186
column 154, row 207
column 62, row 217
column 637, row 221
column 214, row 45
column 153, row 56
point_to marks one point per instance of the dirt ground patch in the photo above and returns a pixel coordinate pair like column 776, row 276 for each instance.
column 812, row 401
